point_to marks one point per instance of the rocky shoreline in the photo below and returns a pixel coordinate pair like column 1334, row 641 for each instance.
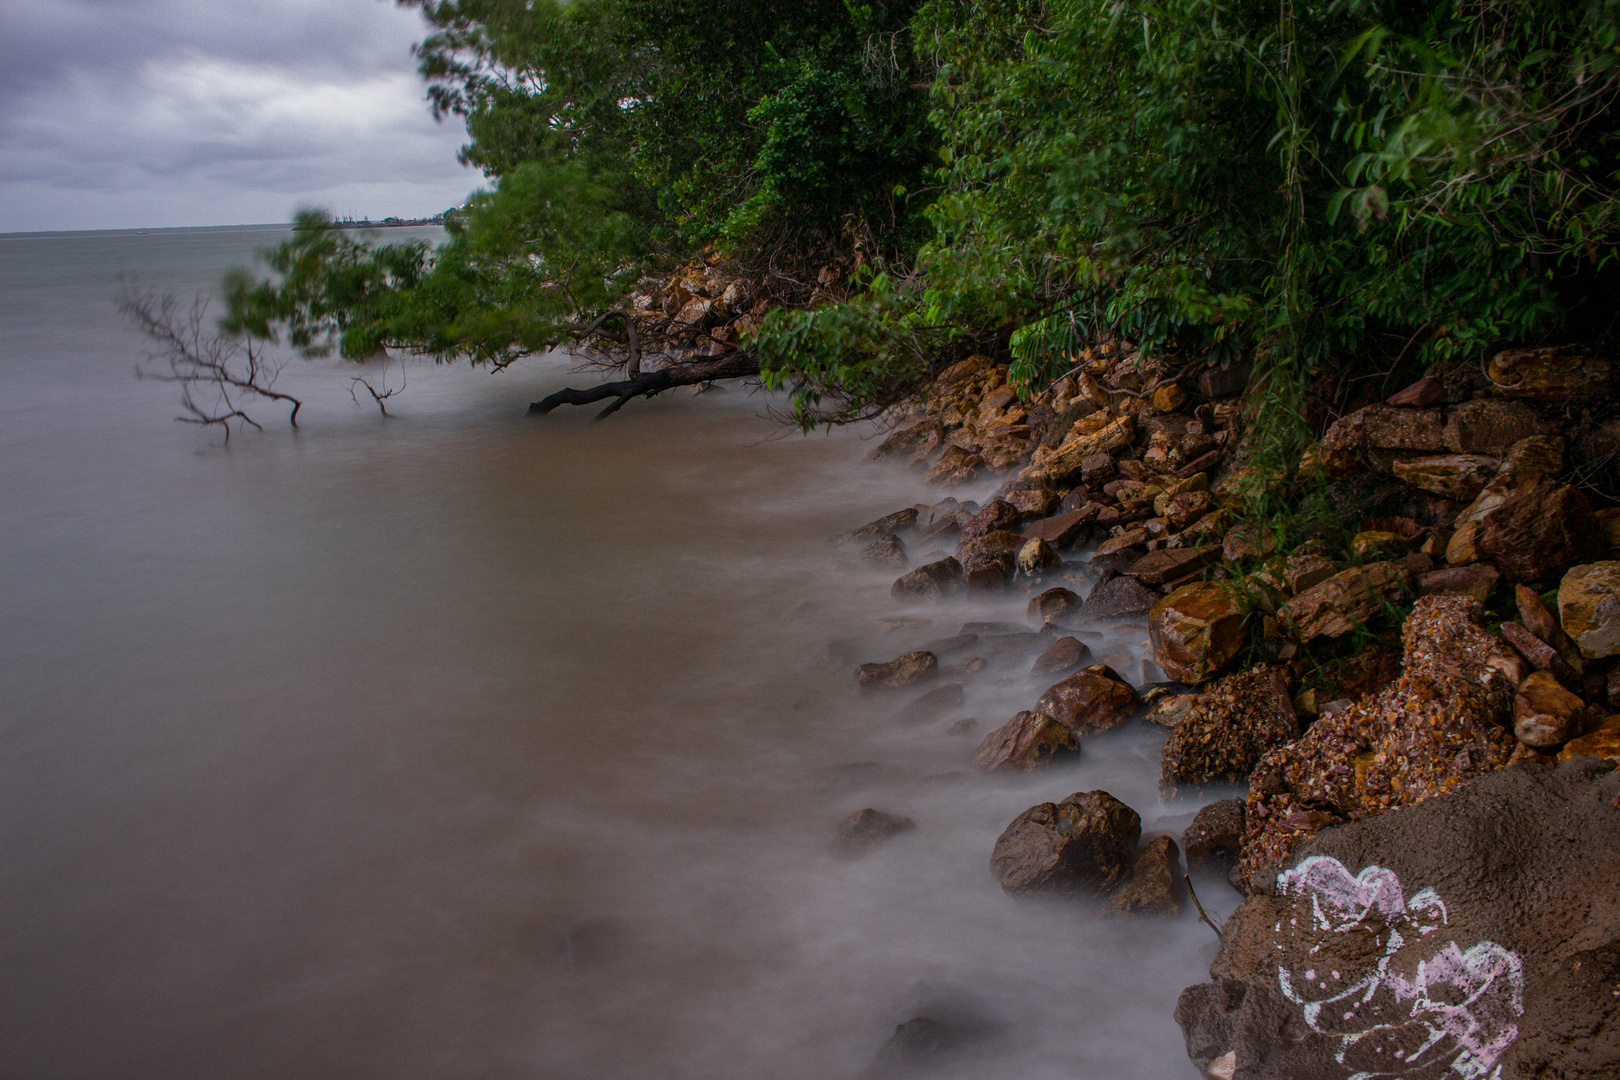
column 1424, row 705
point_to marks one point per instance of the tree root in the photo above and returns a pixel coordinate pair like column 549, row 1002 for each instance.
column 737, row 365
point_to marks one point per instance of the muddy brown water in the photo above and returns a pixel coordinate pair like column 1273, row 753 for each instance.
column 468, row 744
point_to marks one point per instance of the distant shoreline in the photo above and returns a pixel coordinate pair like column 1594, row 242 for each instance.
column 280, row 226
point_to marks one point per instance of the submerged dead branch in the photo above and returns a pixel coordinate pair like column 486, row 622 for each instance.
column 737, row 365
column 217, row 373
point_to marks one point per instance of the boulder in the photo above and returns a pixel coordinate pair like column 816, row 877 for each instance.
column 1027, row 741
column 1385, row 427
column 1064, row 654
column 1155, row 886
column 866, row 829
column 1036, row 557
column 1063, row 530
column 1223, row 736
column 921, row 1046
column 906, row 440
column 1343, row 601
column 1436, row 727
column 988, row 561
column 1426, row 391
column 888, row 523
column 1490, row 426
column 1455, row 476
column 1083, row 845
column 932, row 705
column 997, row 516
column 1195, row 630
column 1474, row 935
column 1537, row 534
column 886, row 549
column 1215, row 836
column 1589, row 608
column 1089, row 701
column 932, row 581
column 907, row 670
column 1057, row 602
column 1477, row 580
column 1544, row 713
column 1554, row 373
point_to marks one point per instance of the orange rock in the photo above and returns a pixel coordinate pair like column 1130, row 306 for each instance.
column 1196, row 630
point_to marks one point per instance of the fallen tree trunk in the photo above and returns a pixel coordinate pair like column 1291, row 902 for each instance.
column 737, row 365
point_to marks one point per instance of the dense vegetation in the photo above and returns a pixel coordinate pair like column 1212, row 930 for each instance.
column 1321, row 185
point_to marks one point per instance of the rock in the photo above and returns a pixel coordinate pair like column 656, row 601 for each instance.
column 1128, row 538
column 1550, row 373
column 1155, row 886
column 955, row 466
column 1195, row 630
column 1215, row 836
column 932, row 705
column 1065, row 653
column 1057, row 602
column 954, row 643
column 1097, row 470
column 1036, row 557
column 1062, row 466
column 1033, row 502
column 933, row 581
column 905, row 441
column 1082, row 845
column 1536, row 535
column 1027, row 741
column 1223, row 736
column 1477, row 580
column 1383, row 427
column 997, row 516
column 1603, row 743
column 1535, row 455
column 1490, row 426
column 1348, row 598
column 1089, row 701
column 1455, row 476
column 1426, row 391
column 1304, row 572
column 888, row 523
column 1244, row 543
column 885, row 549
column 1371, row 542
column 1063, row 530
column 1540, row 654
column 1542, row 732
column 1437, row 726
column 1187, row 507
column 1217, row 382
column 1589, row 608
column 1117, row 598
column 919, row 1047
column 1458, row 932
column 963, row 670
column 866, row 829
column 1540, row 695
column 1609, row 525
column 965, row 726
column 1169, row 398
column 907, row 670
column 1168, row 564
column 1166, row 708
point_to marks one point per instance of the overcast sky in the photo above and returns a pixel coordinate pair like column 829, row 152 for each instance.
column 146, row 113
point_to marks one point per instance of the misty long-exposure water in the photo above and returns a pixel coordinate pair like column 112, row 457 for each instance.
column 469, row 744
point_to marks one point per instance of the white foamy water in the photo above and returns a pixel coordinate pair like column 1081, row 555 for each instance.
column 472, row 744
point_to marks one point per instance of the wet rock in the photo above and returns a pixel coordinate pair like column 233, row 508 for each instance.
column 1553, row 373
column 1097, row 470
column 1589, row 608
column 1215, row 837
column 1036, row 557
column 1089, row 701
column 932, row 705
column 1155, row 886
column 1537, row 534
column 1064, row 530
column 1447, row 933
column 1058, row 602
column 955, row 466
column 1223, row 736
column 866, row 829
column 1536, row 455
column 932, row 581
column 888, row 523
column 1437, row 726
column 954, row 643
column 1348, row 598
column 963, row 670
column 1187, row 507
column 997, row 516
column 1455, row 476
column 1477, row 580
column 1064, row 654
column 1169, row 564
column 1383, row 427
column 1302, row 572
column 886, row 549
column 1603, row 744
column 1083, row 845
column 1027, row 741
column 1169, row 398
column 905, row 441
column 1114, row 545
column 1195, row 630
column 1061, row 467
column 1033, row 502
column 1544, row 713
column 1165, row 707
column 902, row 671
column 1490, row 426
column 1426, row 391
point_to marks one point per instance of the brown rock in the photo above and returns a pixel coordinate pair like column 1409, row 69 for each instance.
column 1033, row 502
column 988, row 561
column 1097, row 469
column 932, row 705
column 1426, row 391
column 1535, row 455
column 1118, row 597
column 1371, row 542
column 1490, row 426
column 1155, row 886
column 1064, row 654
column 1540, row 694
column 1080, row 846
column 963, row 670
column 1036, row 557
column 1455, row 476
column 1158, row 567
column 955, row 466
column 998, row 516
column 1169, row 398
column 1603, row 743
column 888, row 523
column 1549, row 373
column 866, row 829
column 1542, row 731
column 932, row 581
column 1062, row 466
column 1536, row 535
column 1337, row 605
column 1063, row 530
column 1089, row 701
column 1218, row 382
column 1224, row 735
column 1165, row 708
column 886, row 549
column 1308, row 571
column 907, row 670
column 1215, row 837
column 1244, row 542
column 1187, row 507
column 906, row 441
column 1383, row 427
column 1477, row 580
column 1589, row 608
column 1027, row 741
column 1195, row 630
column 1058, row 602
column 1127, row 539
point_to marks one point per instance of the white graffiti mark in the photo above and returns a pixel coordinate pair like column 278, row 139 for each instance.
column 1400, row 1004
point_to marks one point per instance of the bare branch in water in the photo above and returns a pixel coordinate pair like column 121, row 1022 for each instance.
column 380, row 398
column 737, row 365
column 225, row 372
